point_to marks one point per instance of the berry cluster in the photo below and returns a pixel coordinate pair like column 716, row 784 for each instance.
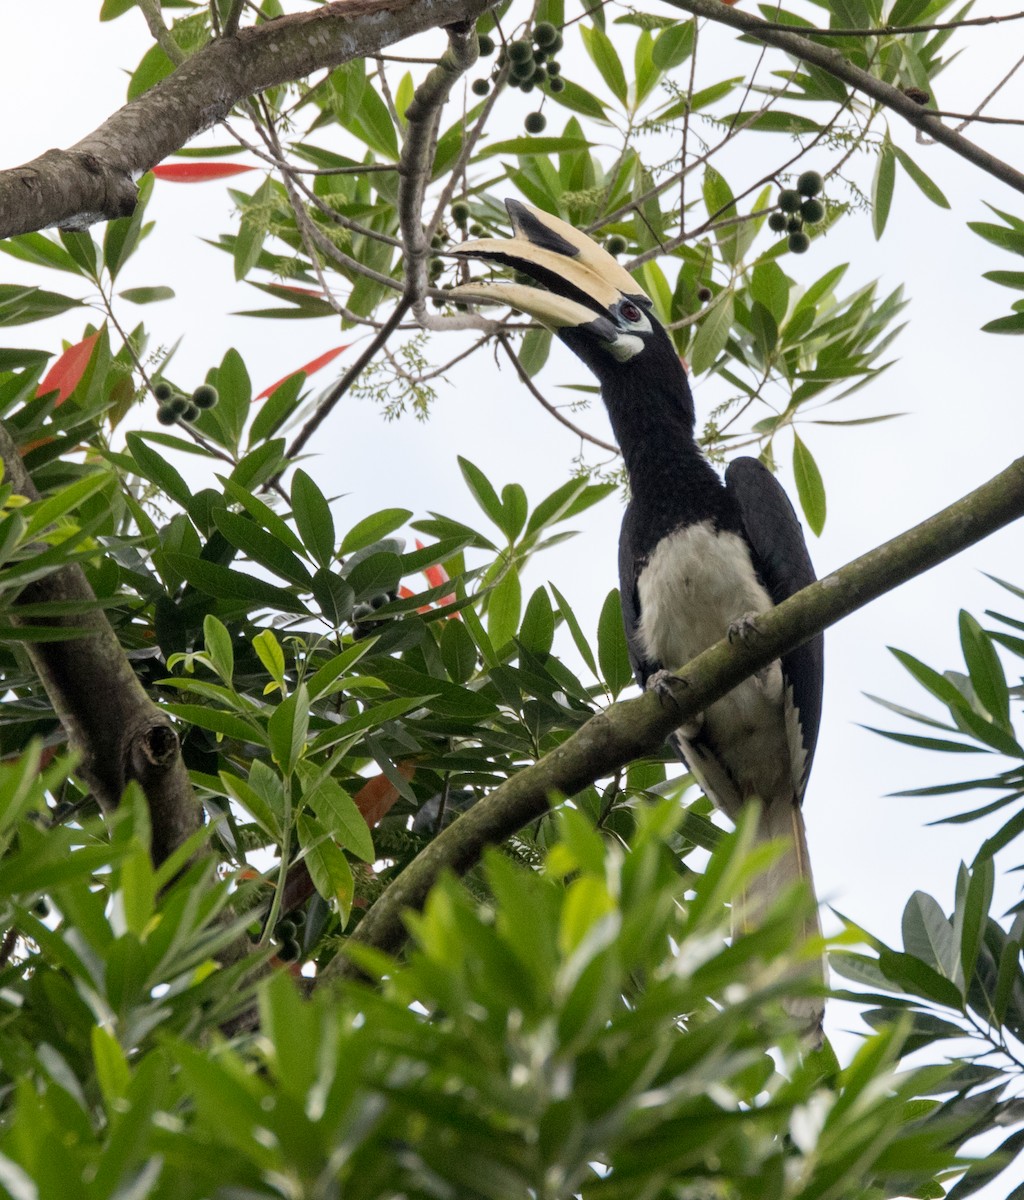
column 798, row 206
column 531, row 63
column 287, row 934
column 174, row 406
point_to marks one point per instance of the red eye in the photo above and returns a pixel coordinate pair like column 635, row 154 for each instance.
column 630, row 311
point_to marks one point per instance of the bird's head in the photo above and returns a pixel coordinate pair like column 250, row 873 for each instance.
column 582, row 295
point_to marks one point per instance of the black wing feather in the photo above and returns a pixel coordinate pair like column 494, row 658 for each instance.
column 630, row 565
column 780, row 555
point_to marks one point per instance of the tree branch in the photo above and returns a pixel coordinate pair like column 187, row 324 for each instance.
column 837, row 65
column 631, row 728
column 109, row 719
column 94, row 180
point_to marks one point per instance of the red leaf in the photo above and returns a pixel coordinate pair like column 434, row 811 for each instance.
column 376, row 797
column 198, row 172
column 66, row 373
column 310, row 367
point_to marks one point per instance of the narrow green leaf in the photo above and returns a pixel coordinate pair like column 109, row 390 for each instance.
column 458, row 653
column 881, row 188
column 218, row 647
column 605, row 57
column 328, row 867
column 927, row 186
column 482, row 489
column 809, row 485
column 313, row 518
column 155, row 467
column 569, row 617
column 374, row 527
column 612, row 650
column 339, row 815
column 537, row 631
column 986, row 671
column 504, row 604
column 287, row 729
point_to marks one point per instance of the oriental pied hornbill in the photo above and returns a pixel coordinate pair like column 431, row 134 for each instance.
column 697, row 557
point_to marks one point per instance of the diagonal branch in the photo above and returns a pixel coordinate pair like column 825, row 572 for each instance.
column 837, row 65
column 108, row 717
column 94, row 180
column 631, row 728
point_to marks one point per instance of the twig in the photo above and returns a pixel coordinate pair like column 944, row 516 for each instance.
column 546, row 404
column 326, row 405
column 164, row 38
column 232, row 19
column 830, row 59
column 976, row 115
column 630, row 728
column 886, row 30
column 422, row 118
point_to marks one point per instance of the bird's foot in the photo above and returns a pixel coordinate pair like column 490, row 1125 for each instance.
column 745, row 629
column 671, row 689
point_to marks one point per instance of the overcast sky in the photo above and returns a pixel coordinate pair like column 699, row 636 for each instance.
column 61, row 73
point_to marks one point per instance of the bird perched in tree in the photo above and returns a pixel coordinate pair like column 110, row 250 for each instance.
column 699, row 558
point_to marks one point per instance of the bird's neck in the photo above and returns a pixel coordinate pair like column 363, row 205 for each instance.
column 669, row 477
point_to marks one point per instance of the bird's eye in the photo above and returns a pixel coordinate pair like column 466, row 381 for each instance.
column 630, row 311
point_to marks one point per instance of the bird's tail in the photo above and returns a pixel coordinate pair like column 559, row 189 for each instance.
column 784, row 823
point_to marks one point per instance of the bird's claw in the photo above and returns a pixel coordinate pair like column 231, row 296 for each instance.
column 745, row 629
column 665, row 683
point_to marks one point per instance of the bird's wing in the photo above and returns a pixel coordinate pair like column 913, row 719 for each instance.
column 630, row 565
column 781, row 559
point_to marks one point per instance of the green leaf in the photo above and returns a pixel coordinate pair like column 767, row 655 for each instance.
column 881, row 188
column 927, row 186
column 809, row 485
column 537, row 631
column 112, row 1072
column 458, row 652
column 674, row 45
column 268, row 650
column 569, row 617
column 313, row 518
column 504, row 603
column 44, row 513
column 337, row 812
column 371, row 529
column 1014, row 324
column 155, row 467
column 928, row 935
column 254, row 803
column 483, row 491
column 328, row 867
column 712, row 335
column 604, row 56
column 514, row 510
column 533, row 353
column 533, row 145
column 218, row 647
column 612, row 650
column 287, row 729
column 147, row 295
column 770, row 286
column 227, row 584
column 986, row 671
column 262, row 547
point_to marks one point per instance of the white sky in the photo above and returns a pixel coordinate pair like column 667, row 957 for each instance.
column 960, row 387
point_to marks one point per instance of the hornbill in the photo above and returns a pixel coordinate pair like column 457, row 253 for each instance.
column 699, row 558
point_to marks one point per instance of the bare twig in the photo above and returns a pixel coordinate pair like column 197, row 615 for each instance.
column 153, row 14
column 832, row 61
column 888, row 30
column 232, row 19
column 546, row 404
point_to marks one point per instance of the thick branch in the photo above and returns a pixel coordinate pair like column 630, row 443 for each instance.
column 94, row 180
column 119, row 732
column 631, row 728
column 836, row 64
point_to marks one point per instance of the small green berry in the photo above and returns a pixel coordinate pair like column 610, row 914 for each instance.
column 545, row 34
column 163, row 390
column 704, row 294
column 166, row 415
column 521, row 71
column 535, row 122
column 616, row 244
column 520, row 52
column 777, row 222
column 554, row 68
column 540, row 75
column 556, row 45
column 799, row 242
column 812, row 211
column 435, row 268
column 477, row 230
column 460, row 212
column 810, row 183
column 191, row 413
column 789, row 200
column 794, row 225
column 539, row 55
column 527, row 86
column 289, row 951
column 178, row 404
column 437, row 241
column 556, row 85
column 480, row 87
column 486, row 45
column 205, row 396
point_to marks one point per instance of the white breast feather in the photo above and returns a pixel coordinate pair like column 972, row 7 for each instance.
column 695, row 585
